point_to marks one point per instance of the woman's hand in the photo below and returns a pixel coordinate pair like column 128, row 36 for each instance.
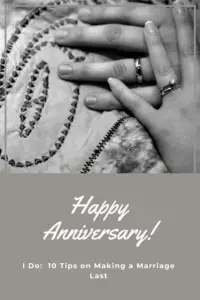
column 174, row 126
column 125, row 32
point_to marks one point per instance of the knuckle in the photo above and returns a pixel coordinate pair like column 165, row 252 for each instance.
column 185, row 19
column 91, row 57
column 119, row 69
column 99, row 11
column 79, row 33
column 155, row 41
column 136, row 105
column 128, row 14
column 186, row 113
column 164, row 70
column 122, row 93
column 113, row 33
column 187, row 109
column 147, row 69
column 187, row 51
column 112, row 103
column 84, row 69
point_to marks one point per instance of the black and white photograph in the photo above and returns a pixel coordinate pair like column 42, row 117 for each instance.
column 99, row 86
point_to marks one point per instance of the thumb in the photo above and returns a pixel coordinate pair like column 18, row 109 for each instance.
column 142, row 110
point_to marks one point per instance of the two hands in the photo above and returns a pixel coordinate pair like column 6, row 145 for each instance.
column 174, row 125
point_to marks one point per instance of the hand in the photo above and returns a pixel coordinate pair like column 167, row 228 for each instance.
column 125, row 34
column 173, row 127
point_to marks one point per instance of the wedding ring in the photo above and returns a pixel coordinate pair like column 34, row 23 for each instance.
column 172, row 85
column 138, row 67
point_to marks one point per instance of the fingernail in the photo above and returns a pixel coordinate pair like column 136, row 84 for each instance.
column 84, row 12
column 179, row 7
column 90, row 100
column 60, row 35
column 151, row 27
column 112, row 82
column 65, row 69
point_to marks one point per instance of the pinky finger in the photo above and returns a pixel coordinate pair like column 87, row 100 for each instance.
column 142, row 110
column 107, row 101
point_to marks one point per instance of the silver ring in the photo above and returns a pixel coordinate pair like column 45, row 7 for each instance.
column 172, row 85
column 138, row 67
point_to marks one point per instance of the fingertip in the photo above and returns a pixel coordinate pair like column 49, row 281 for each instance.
column 58, row 71
column 118, row 88
column 90, row 101
column 113, row 82
column 65, row 70
column 94, row 102
column 148, row 22
column 151, row 28
column 60, row 36
column 102, row 102
column 180, row 12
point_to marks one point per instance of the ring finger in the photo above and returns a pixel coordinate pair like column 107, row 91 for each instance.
column 161, row 64
column 125, row 70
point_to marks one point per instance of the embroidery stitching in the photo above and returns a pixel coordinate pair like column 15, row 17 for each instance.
column 28, row 54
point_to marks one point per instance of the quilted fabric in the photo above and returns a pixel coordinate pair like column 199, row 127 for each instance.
column 48, row 128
